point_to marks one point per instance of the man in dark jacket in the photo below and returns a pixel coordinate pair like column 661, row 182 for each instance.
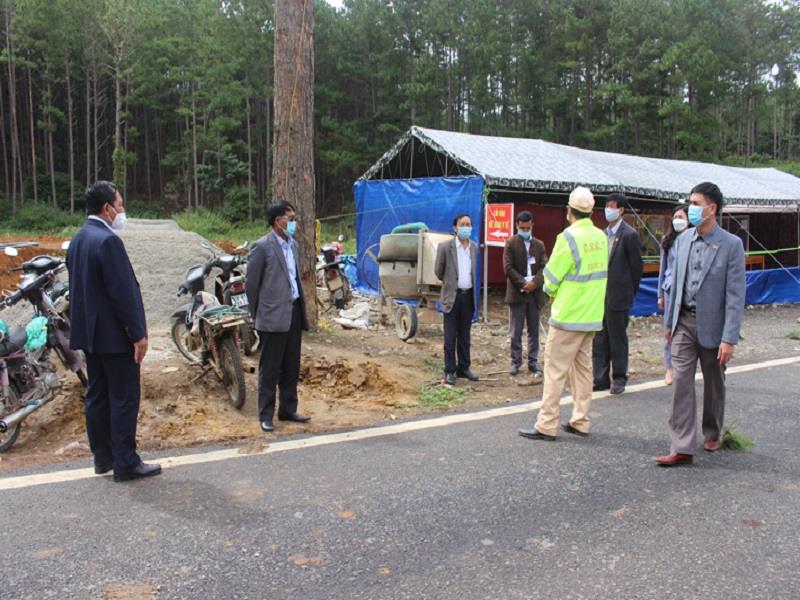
column 610, row 346
column 108, row 324
column 524, row 258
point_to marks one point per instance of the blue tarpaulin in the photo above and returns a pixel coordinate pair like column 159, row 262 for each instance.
column 383, row 204
column 768, row 286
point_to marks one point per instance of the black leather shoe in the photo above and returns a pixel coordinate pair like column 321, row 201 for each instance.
column 267, row 426
column 138, row 472
column 617, row 389
column 100, row 469
column 600, row 387
column 297, row 418
column 536, row 370
column 534, row 434
column 468, row 375
column 450, row 378
column 514, row 370
column 570, row 429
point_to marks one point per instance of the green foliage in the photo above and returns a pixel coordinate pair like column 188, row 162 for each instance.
column 40, row 219
column 736, row 440
column 440, row 396
column 794, row 335
column 214, row 226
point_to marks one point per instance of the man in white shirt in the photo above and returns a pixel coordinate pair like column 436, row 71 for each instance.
column 456, row 266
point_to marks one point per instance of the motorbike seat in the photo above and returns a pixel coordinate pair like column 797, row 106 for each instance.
column 13, row 342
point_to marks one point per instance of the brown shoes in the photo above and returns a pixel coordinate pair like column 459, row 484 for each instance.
column 710, row 445
column 673, row 460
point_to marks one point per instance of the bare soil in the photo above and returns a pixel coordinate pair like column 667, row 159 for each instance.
column 349, row 378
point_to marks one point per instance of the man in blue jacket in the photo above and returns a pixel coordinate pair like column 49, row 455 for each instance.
column 108, row 324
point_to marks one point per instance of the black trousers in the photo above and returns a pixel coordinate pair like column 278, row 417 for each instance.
column 457, row 326
column 279, row 367
column 610, row 350
column 112, row 408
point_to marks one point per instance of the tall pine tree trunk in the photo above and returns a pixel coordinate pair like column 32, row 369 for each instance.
column 71, row 142
column 249, row 158
column 88, row 132
column 293, row 164
column 33, row 139
column 50, row 160
column 6, row 178
column 194, row 152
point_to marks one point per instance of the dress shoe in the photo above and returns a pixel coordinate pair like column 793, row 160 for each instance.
column 668, row 377
column 673, row 460
column 100, row 468
column 570, row 429
column 297, row 418
column 616, row 389
column 514, row 370
column 536, row 369
column 267, row 426
column 710, row 445
column 600, row 387
column 468, row 375
column 138, row 472
column 535, row 434
column 450, row 378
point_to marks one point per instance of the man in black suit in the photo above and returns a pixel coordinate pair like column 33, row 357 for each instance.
column 610, row 346
column 108, row 324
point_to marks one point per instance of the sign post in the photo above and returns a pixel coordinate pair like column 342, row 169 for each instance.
column 498, row 228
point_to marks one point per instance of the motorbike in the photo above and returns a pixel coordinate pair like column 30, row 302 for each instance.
column 330, row 268
column 229, row 288
column 206, row 332
column 28, row 380
column 41, row 285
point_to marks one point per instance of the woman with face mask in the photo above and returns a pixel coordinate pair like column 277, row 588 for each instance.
column 680, row 223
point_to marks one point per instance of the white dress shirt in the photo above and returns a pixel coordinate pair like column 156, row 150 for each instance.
column 464, row 265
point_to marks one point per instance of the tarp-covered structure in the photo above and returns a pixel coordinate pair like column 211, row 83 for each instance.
column 418, row 179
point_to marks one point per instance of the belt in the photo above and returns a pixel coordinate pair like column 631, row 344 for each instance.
column 692, row 310
column 462, row 291
column 296, row 302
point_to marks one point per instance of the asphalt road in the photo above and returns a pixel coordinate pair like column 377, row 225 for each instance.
column 467, row 510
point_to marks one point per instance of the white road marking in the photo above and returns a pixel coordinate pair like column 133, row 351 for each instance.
column 23, row 481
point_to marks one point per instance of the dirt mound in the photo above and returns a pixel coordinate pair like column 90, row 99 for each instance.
column 347, row 381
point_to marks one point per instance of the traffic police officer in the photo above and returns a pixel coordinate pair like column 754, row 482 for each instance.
column 575, row 278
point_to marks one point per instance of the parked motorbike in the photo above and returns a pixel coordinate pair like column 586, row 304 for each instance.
column 330, row 268
column 41, row 285
column 229, row 288
column 28, row 380
column 206, row 333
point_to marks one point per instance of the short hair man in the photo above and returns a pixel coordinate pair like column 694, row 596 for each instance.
column 610, row 346
column 108, row 323
column 706, row 309
column 575, row 277
column 457, row 266
column 524, row 257
column 275, row 296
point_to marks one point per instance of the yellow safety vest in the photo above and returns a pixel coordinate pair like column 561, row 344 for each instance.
column 575, row 277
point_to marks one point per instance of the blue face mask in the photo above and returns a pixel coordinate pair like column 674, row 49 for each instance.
column 612, row 214
column 525, row 235
column 291, row 228
column 695, row 215
column 464, row 233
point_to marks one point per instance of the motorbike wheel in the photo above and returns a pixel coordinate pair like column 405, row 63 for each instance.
column 232, row 374
column 179, row 332
column 8, row 438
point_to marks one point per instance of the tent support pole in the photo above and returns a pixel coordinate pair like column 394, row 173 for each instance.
column 797, row 239
column 485, row 263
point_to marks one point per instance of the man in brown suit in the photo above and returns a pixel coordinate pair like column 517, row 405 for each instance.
column 524, row 258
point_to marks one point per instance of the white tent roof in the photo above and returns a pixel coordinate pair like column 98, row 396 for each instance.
column 538, row 165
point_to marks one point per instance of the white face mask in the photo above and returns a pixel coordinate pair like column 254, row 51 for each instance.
column 680, row 225
column 119, row 222
column 612, row 214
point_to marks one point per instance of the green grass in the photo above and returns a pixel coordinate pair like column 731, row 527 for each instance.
column 439, row 396
column 736, row 440
column 434, row 364
column 794, row 335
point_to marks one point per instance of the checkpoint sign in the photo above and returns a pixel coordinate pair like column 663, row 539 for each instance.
column 499, row 224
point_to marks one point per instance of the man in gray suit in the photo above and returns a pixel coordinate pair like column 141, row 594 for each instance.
column 456, row 265
column 277, row 306
column 706, row 308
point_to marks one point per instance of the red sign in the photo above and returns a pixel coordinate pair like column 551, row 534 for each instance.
column 499, row 224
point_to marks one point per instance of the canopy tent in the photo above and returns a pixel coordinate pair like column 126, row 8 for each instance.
column 409, row 176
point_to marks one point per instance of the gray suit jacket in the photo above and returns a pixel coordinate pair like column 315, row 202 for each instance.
column 720, row 297
column 269, row 291
column 446, row 269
